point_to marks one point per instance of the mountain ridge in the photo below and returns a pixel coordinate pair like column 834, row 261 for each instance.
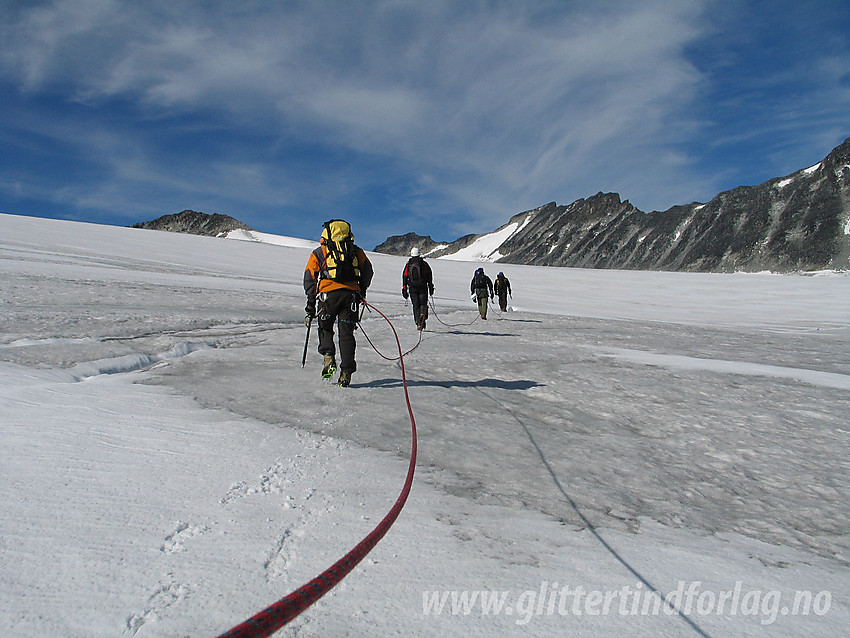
column 793, row 223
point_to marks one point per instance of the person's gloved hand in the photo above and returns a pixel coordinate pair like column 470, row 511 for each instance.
column 404, row 293
column 310, row 313
column 431, row 289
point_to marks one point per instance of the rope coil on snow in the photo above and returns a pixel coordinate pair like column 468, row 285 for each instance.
column 277, row 615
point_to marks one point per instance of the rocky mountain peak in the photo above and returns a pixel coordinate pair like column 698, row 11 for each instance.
column 195, row 223
column 799, row 222
column 401, row 244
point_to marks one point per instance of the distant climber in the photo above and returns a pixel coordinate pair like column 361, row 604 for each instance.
column 417, row 283
column 481, row 288
column 502, row 288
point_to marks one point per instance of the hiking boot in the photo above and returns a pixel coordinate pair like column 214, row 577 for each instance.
column 344, row 379
column 329, row 367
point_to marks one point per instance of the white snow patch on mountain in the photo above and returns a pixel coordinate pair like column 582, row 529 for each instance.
column 435, row 249
column 484, row 248
column 266, row 238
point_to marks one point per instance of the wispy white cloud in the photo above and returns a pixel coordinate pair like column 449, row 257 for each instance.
column 494, row 106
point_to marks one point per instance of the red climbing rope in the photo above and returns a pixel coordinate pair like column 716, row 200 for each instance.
column 277, row 615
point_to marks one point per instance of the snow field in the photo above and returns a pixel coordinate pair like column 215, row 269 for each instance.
column 169, row 468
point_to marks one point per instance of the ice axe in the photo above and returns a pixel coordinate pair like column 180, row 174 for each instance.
column 306, row 341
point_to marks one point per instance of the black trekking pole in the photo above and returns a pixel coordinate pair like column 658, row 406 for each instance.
column 306, row 341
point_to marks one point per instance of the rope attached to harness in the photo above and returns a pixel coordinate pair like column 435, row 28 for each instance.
column 277, row 615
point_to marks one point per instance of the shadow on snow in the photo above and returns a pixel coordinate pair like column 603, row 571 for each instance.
column 482, row 383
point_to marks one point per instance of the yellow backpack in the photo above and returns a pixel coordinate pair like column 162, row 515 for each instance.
column 341, row 259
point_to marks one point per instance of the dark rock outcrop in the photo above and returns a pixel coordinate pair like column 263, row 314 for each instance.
column 401, row 244
column 195, row 223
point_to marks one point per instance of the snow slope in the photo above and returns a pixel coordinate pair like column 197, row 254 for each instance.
column 266, row 238
column 486, row 247
column 169, row 469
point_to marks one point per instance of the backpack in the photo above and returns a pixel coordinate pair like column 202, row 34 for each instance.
column 341, row 260
column 480, row 281
column 417, row 274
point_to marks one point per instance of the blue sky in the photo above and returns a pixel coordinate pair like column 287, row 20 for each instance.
column 440, row 117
